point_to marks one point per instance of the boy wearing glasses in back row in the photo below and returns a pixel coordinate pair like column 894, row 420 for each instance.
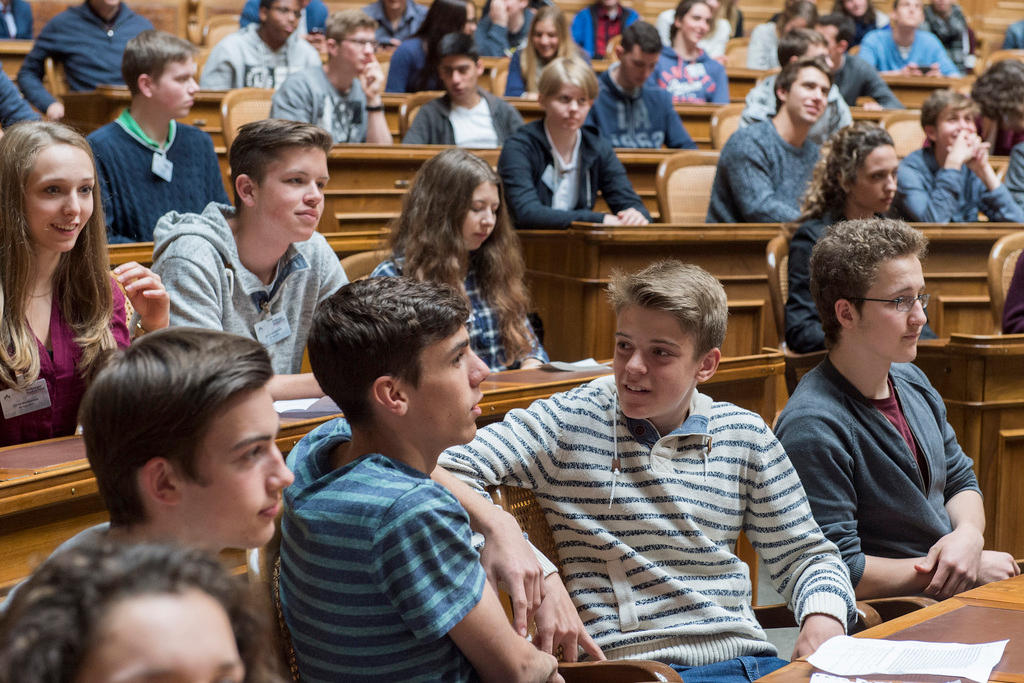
column 343, row 96
column 886, row 479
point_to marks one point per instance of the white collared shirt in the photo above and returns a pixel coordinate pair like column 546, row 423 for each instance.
column 564, row 176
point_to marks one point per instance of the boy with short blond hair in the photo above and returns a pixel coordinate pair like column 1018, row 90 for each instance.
column 344, row 95
column 148, row 162
column 647, row 484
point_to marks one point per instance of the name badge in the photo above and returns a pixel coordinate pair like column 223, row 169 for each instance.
column 162, row 167
column 273, row 329
column 15, row 403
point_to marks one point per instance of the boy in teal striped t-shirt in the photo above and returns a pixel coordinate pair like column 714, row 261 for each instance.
column 378, row 574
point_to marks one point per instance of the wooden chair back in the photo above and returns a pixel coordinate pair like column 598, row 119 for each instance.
column 218, row 26
column 777, row 253
column 492, row 67
column 905, row 128
column 53, row 75
column 609, row 50
column 683, row 185
column 1002, row 261
column 724, row 122
column 263, row 567
column 499, row 79
column 999, row 56
column 408, row 110
column 736, row 51
column 242, row 106
column 359, row 266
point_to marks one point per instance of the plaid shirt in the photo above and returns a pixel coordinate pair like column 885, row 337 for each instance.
column 484, row 330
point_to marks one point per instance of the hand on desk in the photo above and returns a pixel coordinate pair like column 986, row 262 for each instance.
column 559, row 625
column 996, row 566
column 816, row 629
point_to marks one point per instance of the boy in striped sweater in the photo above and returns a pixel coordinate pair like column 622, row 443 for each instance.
column 379, row 578
column 647, row 483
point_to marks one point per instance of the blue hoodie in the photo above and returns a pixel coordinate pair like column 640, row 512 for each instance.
column 702, row 80
column 643, row 118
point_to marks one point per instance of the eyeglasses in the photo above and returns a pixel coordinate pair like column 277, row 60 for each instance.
column 373, row 44
column 904, row 304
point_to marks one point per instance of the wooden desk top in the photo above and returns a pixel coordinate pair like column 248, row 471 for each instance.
column 981, row 615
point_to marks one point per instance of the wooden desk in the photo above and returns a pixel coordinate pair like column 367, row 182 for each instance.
column 568, row 271
column 912, row 91
column 993, row 612
column 742, row 80
column 48, row 492
column 12, row 54
column 981, row 379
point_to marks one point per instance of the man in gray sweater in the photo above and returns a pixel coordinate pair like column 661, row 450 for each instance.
column 465, row 115
column 764, row 168
column 344, row 95
column 887, row 481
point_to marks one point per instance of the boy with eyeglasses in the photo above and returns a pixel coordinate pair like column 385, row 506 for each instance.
column 260, row 55
column 886, row 479
column 343, row 96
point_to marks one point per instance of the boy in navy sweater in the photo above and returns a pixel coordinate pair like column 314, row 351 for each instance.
column 630, row 112
column 149, row 163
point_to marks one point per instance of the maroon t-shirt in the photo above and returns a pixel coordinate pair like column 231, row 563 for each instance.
column 607, row 28
column 890, row 407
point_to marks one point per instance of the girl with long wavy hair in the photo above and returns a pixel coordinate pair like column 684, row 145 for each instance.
column 455, row 228
column 548, row 39
column 61, row 309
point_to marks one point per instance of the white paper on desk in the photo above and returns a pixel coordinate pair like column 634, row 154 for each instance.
column 294, row 404
column 577, row 366
column 829, row 678
column 848, row 656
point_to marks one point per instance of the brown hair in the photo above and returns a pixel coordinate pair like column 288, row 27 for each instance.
column 529, row 61
column 82, row 280
column 428, row 234
column 1000, row 92
column 158, row 397
column 149, row 53
column 567, row 71
column 260, row 143
column 940, row 100
column 845, row 263
column 344, row 23
column 842, row 156
column 688, row 292
column 796, row 9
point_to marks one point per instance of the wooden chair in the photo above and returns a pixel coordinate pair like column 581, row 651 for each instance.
column 736, row 51
column 609, row 50
column 499, row 79
column 1002, row 261
column 777, row 254
column 54, row 78
column 218, row 26
column 724, row 122
column 407, row 112
column 359, row 266
column 905, row 128
column 241, row 106
column 492, row 67
column 683, row 184
column 999, row 56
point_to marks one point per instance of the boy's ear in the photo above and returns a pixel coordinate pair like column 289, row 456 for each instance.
column 159, row 482
column 389, row 394
column 708, row 365
column 930, row 133
column 844, row 312
column 246, row 188
column 145, row 85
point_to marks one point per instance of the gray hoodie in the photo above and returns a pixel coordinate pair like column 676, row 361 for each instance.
column 243, row 60
column 197, row 258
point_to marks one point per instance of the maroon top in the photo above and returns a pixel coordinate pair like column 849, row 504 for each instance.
column 607, row 28
column 62, row 381
column 890, row 407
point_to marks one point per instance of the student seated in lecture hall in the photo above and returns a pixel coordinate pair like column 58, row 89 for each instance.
column 952, row 179
column 414, row 64
column 685, row 70
column 397, row 20
column 999, row 94
column 854, row 77
column 854, row 178
column 455, row 229
column 946, row 21
column 617, row 463
column 904, row 48
column 764, row 168
column 885, row 476
column 394, row 354
column 762, row 104
column 260, row 55
column 630, row 111
column 88, row 40
column 198, row 467
column 549, row 38
column 466, row 115
column 866, row 17
column 310, row 27
column 258, row 268
column 149, row 163
column 553, row 169
column 763, row 49
column 343, row 96
column 113, row 612
column 64, row 309
column 721, row 28
column 596, row 24
column 504, row 29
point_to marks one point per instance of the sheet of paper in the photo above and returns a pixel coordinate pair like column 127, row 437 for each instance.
column 829, row 678
column 294, row 404
column 577, row 366
column 848, row 656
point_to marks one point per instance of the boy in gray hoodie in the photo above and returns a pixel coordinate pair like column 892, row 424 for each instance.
column 259, row 268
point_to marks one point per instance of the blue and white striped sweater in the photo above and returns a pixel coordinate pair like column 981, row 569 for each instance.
column 655, row 574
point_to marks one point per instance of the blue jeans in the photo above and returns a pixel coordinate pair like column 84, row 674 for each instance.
column 739, row 670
